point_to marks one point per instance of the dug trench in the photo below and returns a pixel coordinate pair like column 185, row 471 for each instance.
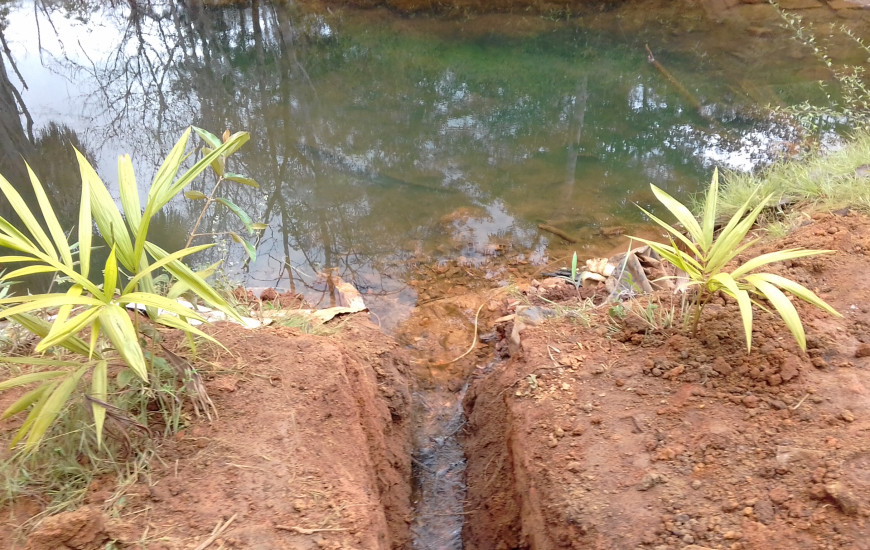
column 604, row 427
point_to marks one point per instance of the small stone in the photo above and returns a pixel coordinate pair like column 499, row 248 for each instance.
column 559, row 432
column 863, row 350
column 847, row 416
column 721, row 366
column 750, row 401
column 764, row 512
column 843, row 497
column 574, row 467
column 778, row 495
column 597, row 369
column 675, row 372
column 818, row 492
column 730, row 506
column 552, row 442
column 819, row 362
column 651, row 480
column 696, row 484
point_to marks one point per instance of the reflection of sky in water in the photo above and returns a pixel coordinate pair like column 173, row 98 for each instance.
column 364, row 138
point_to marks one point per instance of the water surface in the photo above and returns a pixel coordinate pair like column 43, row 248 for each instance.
column 381, row 143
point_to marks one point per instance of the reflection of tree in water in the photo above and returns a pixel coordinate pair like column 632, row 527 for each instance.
column 17, row 139
column 363, row 142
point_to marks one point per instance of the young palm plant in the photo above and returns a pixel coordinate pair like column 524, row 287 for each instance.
column 705, row 256
column 91, row 319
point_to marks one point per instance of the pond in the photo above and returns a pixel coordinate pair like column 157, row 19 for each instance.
column 383, row 142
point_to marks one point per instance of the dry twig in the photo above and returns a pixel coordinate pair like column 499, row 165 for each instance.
column 216, row 532
column 304, row 531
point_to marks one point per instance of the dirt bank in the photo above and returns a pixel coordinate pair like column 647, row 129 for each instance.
column 610, row 432
column 311, row 450
column 598, row 430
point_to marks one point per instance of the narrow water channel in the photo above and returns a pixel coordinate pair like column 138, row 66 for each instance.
column 439, row 470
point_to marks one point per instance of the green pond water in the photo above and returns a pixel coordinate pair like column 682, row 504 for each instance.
column 382, row 142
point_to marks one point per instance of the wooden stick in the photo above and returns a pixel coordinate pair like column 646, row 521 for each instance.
column 674, row 82
column 304, row 531
column 216, row 532
column 558, row 232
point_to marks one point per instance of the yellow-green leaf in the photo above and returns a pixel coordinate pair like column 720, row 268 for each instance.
column 239, row 212
column 731, row 235
column 99, row 385
column 25, row 401
column 798, row 290
column 209, row 138
column 776, row 256
column 129, row 193
column 238, row 178
column 70, row 329
column 29, row 270
column 175, row 256
column 54, row 228
column 160, row 302
column 25, row 379
column 676, row 233
column 683, row 215
column 33, row 415
column 235, row 141
column 86, row 228
column 116, row 324
column 52, row 408
column 183, row 325
column 249, row 248
column 110, row 274
column 782, row 305
column 709, row 217
column 41, row 328
column 194, row 282
column 180, row 287
column 106, row 214
column 41, row 301
column 27, row 218
column 195, row 195
column 63, row 313
column 743, row 301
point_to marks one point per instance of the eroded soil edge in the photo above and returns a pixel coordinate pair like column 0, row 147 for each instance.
column 311, row 451
column 615, row 433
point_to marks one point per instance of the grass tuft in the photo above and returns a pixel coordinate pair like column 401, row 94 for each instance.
column 822, row 181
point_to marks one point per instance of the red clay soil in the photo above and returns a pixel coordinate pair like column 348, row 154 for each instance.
column 607, row 435
column 311, row 450
column 620, row 435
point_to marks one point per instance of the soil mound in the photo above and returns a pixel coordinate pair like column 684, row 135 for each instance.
column 614, row 430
